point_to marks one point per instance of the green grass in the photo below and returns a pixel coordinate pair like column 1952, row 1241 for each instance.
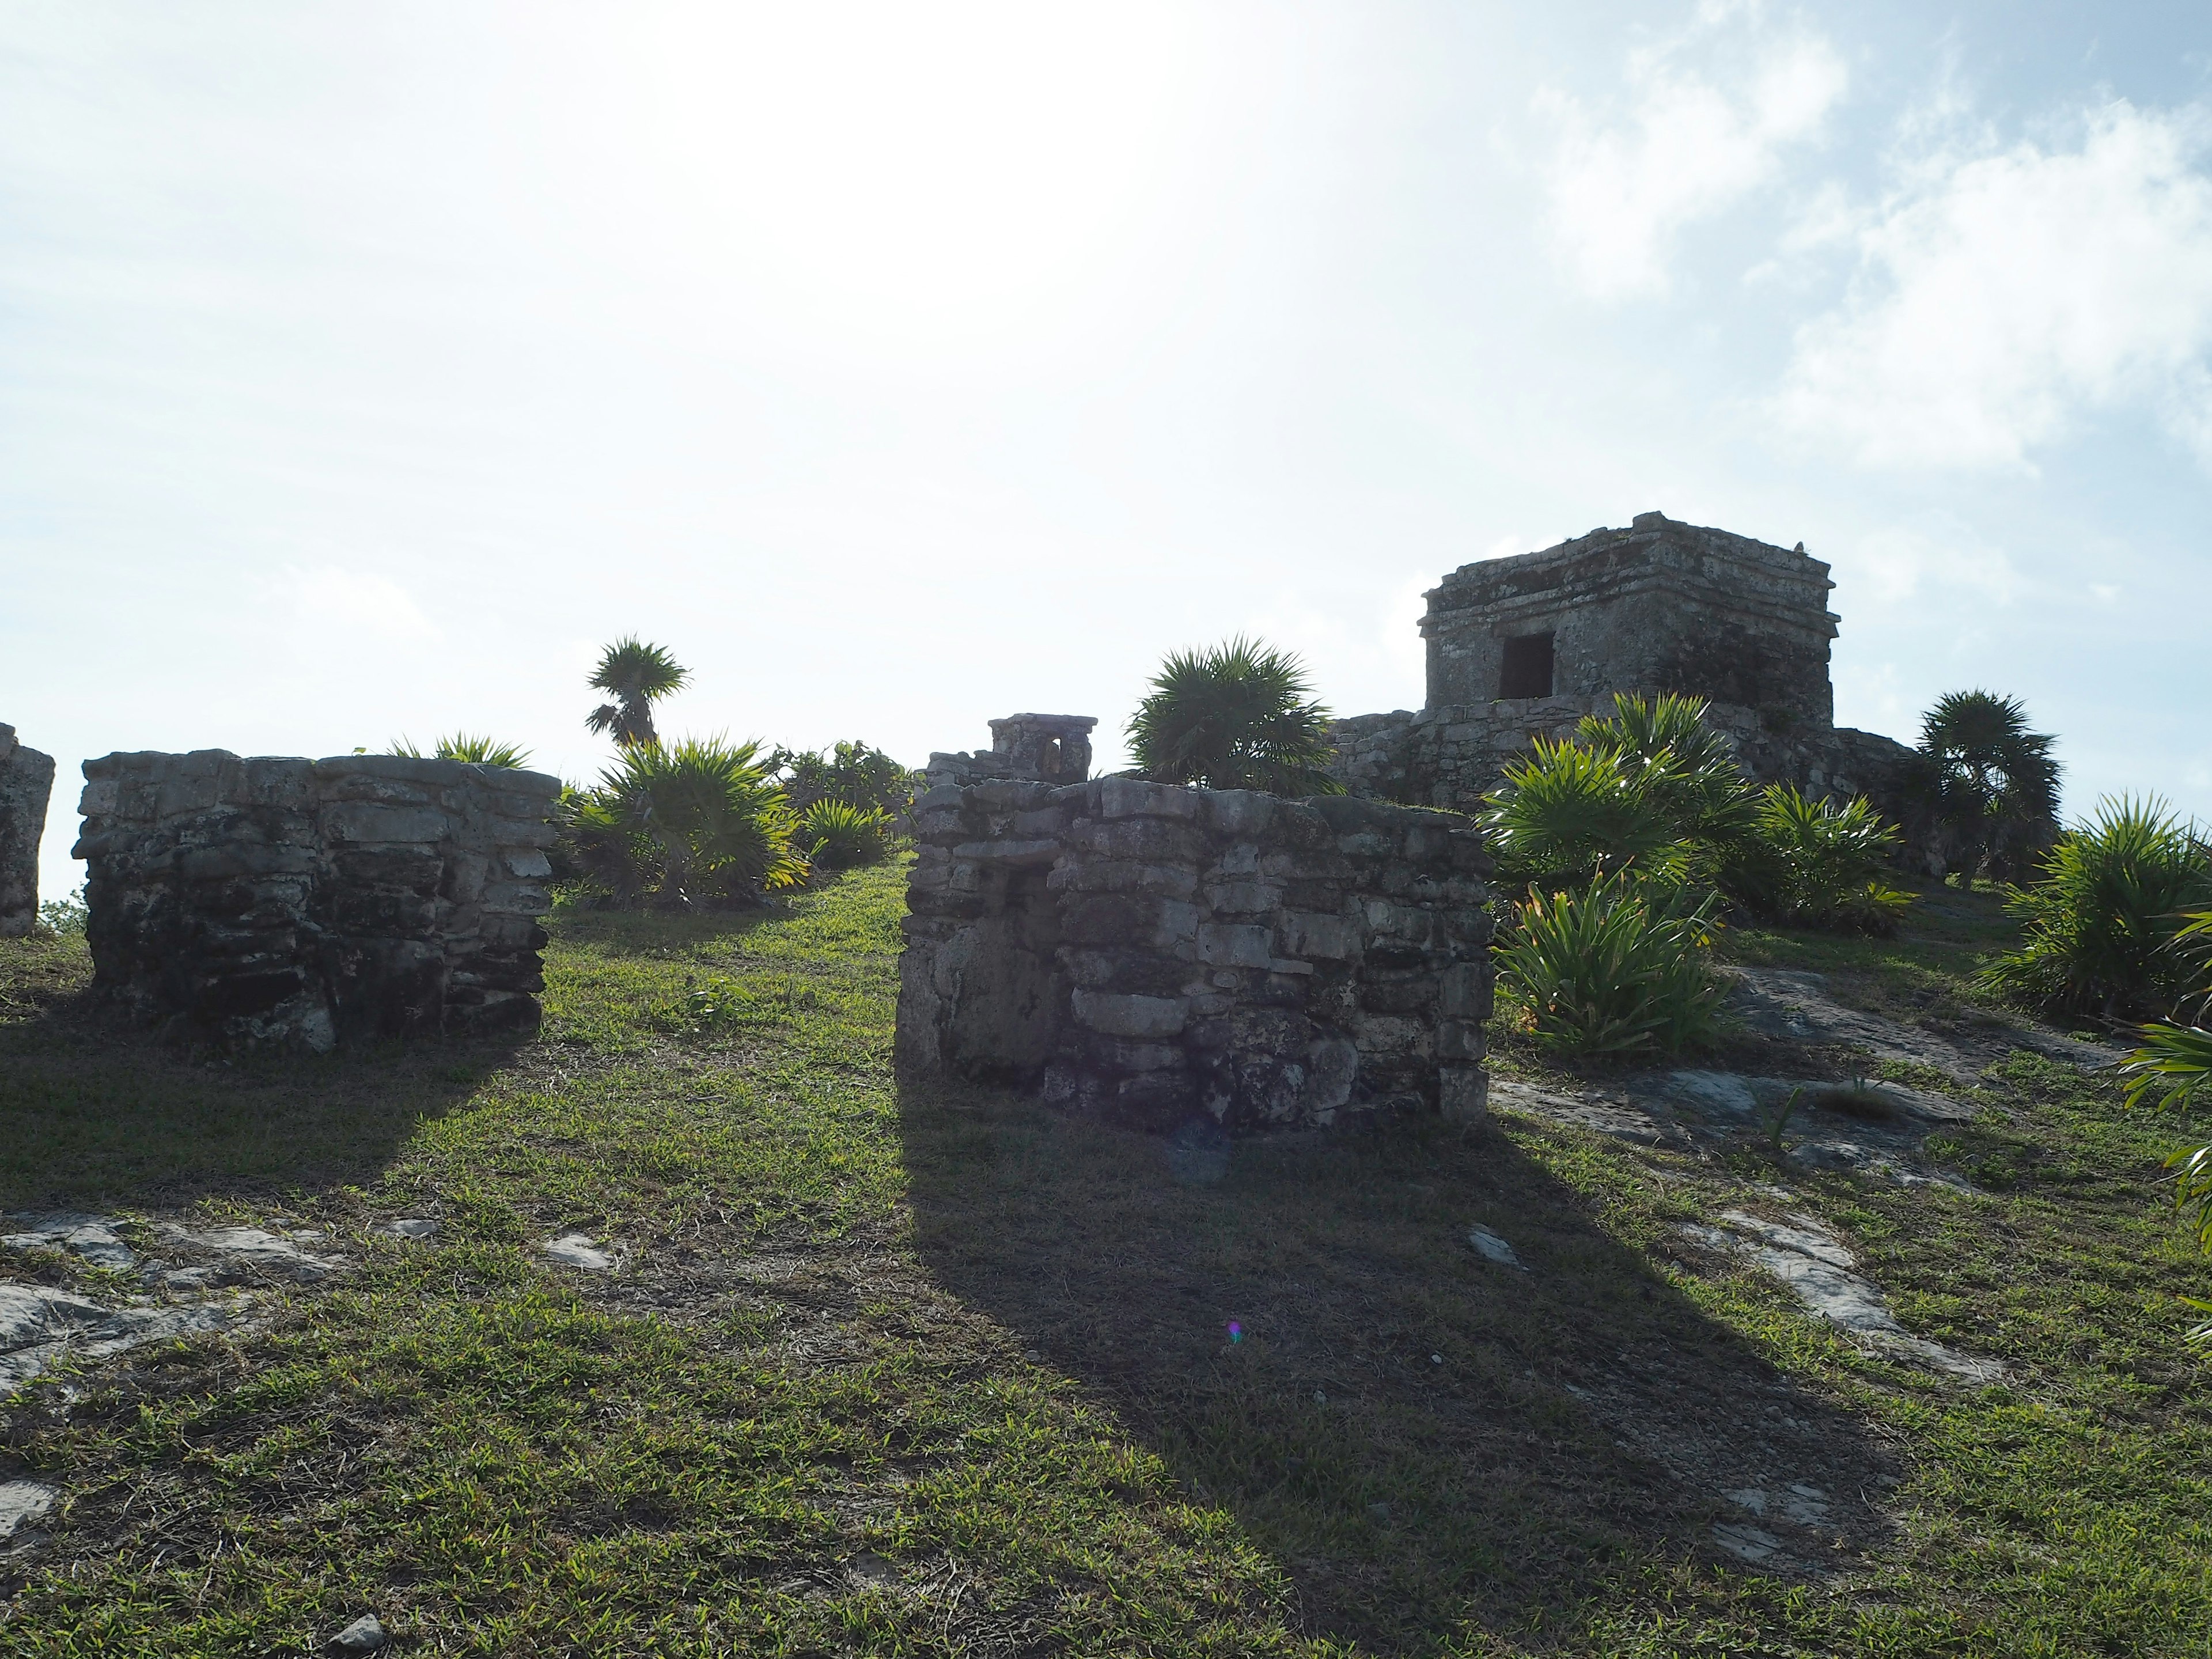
column 906, row 1371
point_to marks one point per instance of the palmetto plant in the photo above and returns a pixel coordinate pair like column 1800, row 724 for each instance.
column 694, row 822
column 1569, row 814
column 467, row 746
column 1689, row 770
column 1815, row 864
column 635, row 674
column 1987, row 787
column 1234, row 716
column 2175, row 1063
column 2101, row 917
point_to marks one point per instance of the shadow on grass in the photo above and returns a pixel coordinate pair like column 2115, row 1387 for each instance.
column 1424, row 1439
column 94, row 1111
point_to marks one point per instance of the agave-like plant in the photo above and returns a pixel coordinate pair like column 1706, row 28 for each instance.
column 1688, row 769
column 1238, row 715
column 2101, row 918
column 467, row 746
column 835, row 835
column 636, row 675
column 1986, row 784
column 1622, row 967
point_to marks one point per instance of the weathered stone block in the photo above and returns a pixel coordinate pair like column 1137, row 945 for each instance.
column 27, row 781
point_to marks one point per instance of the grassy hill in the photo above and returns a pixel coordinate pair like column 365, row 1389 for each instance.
column 888, row 1371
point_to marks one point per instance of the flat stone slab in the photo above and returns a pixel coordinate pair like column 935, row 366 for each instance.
column 1490, row 1247
column 23, row 1503
column 252, row 1246
column 1804, row 1255
column 91, row 1238
column 579, row 1250
column 40, row 1327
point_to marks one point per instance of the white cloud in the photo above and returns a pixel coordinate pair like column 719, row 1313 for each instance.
column 2000, row 295
column 1686, row 147
column 357, row 602
column 1898, row 563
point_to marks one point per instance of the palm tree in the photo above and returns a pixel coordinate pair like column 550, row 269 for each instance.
column 695, row 821
column 1234, row 716
column 635, row 674
column 1987, row 787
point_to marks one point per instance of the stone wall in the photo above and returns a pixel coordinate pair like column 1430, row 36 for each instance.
column 314, row 902
column 1452, row 756
column 1150, row 954
column 27, row 780
column 1661, row 605
column 1053, row 748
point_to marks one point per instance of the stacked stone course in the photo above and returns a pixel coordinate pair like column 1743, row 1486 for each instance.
column 1146, row 953
column 27, row 780
column 285, row 900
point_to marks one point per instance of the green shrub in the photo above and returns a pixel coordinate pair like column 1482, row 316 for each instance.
column 852, row 772
column 1813, row 863
column 2175, row 1062
column 1570, row 814
column 2102, row 917
column 698, row 821
column 636, row 675
column 837, row 835
column 1985, row 787
column 1623, row 967
column 466, row 746
column 1234, row 716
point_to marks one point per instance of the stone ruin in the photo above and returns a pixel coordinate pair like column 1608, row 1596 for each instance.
column 1524, row 647
column 308, row 903
column 1048, row 748
column 1151, row 954
column 27, row 780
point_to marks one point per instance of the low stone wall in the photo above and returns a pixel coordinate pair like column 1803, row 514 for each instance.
column 1452, row 756
column 1147, row 954
column 27, row 780
column 311, row 902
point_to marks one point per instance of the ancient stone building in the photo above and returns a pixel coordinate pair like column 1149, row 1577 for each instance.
column 1524, row 647
column 27, row 780
column 1150, row 954
column 1050, row 748
column 313, row 902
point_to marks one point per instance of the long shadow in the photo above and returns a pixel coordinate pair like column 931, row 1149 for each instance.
column 95, row 1111
column 1421, row 1437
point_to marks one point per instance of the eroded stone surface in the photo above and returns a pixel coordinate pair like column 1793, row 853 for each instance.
column 304, row 902
column 23, row 1503
column 1151, row 954
column 91, row 1238
column 1804, row 1255
column 579, row 1250
column 251, row 1247
column 39, row 1326
column 1490, row 1247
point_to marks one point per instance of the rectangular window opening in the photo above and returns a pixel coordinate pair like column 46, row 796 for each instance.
column 1527, row 668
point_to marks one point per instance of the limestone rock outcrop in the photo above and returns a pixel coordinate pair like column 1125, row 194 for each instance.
column 299, row 902
column 27, row 780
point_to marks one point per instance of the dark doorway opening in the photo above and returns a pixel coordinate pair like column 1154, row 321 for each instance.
column 1527, row 668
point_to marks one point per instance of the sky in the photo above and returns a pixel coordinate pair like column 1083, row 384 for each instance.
column 364, row 370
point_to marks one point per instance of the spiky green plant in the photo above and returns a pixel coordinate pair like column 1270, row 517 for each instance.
column 636, row 675
column 1813, row 863
column 691, row 822
column 1569, row 814
column 2174, row 1063
column 2101, row 917
column 467, row 746
column 1622, row 967
column 835, row 835
column 1687, row 769
column 1237, row 715
column 1985, row 786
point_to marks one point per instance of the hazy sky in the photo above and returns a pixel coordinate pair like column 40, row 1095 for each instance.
column 364, row 368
